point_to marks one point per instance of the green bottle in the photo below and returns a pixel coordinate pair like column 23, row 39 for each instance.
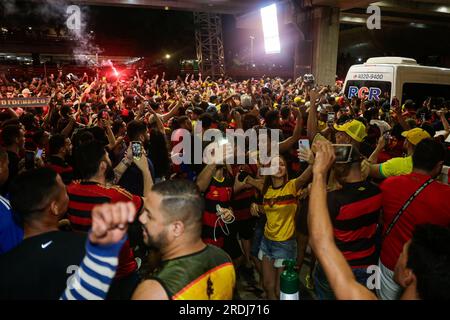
column 289, row 282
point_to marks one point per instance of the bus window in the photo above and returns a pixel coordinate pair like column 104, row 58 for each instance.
column 419, row 92
column 374, row 90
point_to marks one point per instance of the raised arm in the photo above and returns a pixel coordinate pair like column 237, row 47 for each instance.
column 142, row 164
column 109, row 134
column 304, row 178
column 296, row 135
column 311, row 125
column 123, row 165
column 380, row 146
column 445, row 124
column 12, row 113
column 93, row 278
column 204, row 178
column 172, row 112
column 159, row 123
column 336, row 268
column 398, row 111
column 69, row 128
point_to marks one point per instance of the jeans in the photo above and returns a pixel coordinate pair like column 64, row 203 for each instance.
column 322, row 288
column 278, row 251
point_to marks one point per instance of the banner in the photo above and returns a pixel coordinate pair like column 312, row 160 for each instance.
column 24, row 102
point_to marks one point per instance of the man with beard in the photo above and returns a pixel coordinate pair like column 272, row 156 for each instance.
column 190, row 269
column 94, row 165
column 354, row 211
column 172, row 223
column 60, row 149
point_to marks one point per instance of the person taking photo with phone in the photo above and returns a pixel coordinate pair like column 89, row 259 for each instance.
column 354, row 211
column 280, row 207
column 97, row 173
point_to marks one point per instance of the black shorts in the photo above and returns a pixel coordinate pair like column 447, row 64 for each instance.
column 245, row 228
column 301, row 223
column 231, row 246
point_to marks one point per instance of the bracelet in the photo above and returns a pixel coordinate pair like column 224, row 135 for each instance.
column 126, row 162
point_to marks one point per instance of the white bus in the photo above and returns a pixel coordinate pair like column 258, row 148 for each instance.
column 397, row 77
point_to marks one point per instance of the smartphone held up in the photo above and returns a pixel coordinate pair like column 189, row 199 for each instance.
column 136, row 149
column 343, row 153
column 303, row 146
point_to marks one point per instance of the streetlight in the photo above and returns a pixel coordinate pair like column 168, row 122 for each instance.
column 167, row 56
column 251, row 48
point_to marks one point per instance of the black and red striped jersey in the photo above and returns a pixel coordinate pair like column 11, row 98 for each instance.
column 242, row 200
column 355, row 211
column 219, row 192
column 83, row 197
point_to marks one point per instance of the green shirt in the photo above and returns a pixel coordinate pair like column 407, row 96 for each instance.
column 206, row 275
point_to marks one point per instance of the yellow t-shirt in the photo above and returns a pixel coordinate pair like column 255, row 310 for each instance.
column 280, row 206
column 396, row 167
column 321, row 125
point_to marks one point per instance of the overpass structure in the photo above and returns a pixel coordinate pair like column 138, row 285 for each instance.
column 318, row 23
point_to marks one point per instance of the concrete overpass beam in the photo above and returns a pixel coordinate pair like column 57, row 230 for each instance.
column 319, row 49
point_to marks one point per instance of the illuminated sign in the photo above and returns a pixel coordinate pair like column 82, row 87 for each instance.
column 24, row 102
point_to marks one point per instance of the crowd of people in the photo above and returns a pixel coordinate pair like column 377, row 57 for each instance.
column 93, row 207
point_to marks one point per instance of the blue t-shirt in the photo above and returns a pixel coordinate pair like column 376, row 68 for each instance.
column 10, row 233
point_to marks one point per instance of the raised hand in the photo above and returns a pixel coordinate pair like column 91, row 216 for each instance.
column 142, row 163
column 313, row 96
column 305, row 154
column 110, row 222
column 325, row 157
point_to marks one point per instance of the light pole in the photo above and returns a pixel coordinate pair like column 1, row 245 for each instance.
column 251, row 49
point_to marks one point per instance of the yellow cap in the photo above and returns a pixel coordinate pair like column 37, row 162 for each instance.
column 298, row 100
column 354, row 128
column 415, row 135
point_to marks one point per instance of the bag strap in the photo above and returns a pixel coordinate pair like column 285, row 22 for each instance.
column 406, row 205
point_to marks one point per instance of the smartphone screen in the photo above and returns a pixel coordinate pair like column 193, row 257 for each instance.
column 343, row 152
column 303, row 143
column 136, row 148
column 39, row 153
